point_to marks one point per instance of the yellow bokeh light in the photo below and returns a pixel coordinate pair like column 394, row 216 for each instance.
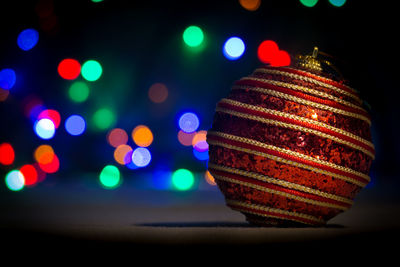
column 142, row 136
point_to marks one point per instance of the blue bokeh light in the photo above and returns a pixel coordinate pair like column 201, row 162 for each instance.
column 44, row 128
column 189, row 122
column 234, row 48
column 7, row 79
column 75, row 125
column 203, row 155
column 27, row 39
column 141, row 157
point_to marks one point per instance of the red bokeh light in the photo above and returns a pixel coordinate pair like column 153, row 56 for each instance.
column 30, row 174
column 268, row 52
column 7, row 154
column 52, row 166
column 52, row 115
column 69, row 69
column 281, row 59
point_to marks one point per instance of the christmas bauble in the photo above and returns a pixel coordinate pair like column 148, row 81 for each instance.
column 291, row 145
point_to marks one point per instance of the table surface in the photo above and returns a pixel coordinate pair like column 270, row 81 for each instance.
column 85, row 214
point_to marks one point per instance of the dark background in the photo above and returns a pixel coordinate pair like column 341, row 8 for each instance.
column 139, row 43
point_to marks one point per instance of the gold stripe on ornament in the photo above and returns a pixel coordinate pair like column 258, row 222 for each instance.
column 288, row 152
column 304, row 89
column 279, row 182
column 302, row 101
column 298, row 118
column 314, row 81
column 286, row 161
column 274, row 210
column 295, row 127
column 280, row 193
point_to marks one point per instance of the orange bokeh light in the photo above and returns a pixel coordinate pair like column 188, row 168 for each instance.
column 251, row 5
column 44, row 154
column 142, row 136
column 209, row 178
column 120, row 154
column 198, row 137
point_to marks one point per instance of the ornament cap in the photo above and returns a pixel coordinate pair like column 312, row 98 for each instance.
column 316, row 62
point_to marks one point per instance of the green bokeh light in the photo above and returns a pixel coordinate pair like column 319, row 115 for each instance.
column 110, row 177
column 78, row 92
column 91, row 70
column 182, row 179
column 309, row 3
column 193, row 36
column 337, row 3
column 104, row 118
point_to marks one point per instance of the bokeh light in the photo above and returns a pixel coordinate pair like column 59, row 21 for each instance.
column 31, row 104
column 337, row 3
column 110, row 177
column 161, row 179
column 44, row 8
column 309, row 3
column 52, row 115
column 15, row 180
column 185, row 138
column 182, row 179
column 233, row 48
column 104, row 118
column 201, row 146
column 30, row 174
column 27, row 39
column 7, row 79
column 44, row 154
column 189, row 122
column 78, row 92
column 69, row 69
column 193, row 36
column 50, row 167
column 41, row 175
column 121, row 154
column 44, row 128
column 267, row 50
column 158, row 93
column 117, row 137
column 7, row 154
column 209, row 178
column 201, row 155
column 198, row 137
column 251, row 5
column 3, row 94
column 142, row 136
column 75, row 125
column 91, row 70
column 141, row 157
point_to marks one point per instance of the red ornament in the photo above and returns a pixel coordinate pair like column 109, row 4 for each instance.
column 291, row 145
